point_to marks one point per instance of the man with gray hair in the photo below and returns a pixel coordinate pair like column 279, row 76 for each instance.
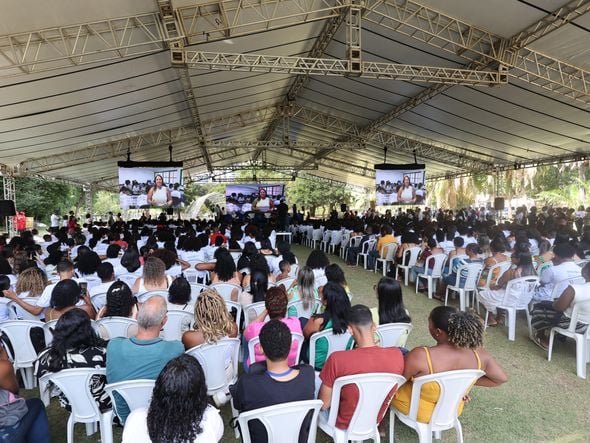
column 144, row 355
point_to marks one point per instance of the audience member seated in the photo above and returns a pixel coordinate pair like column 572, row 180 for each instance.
column 563, row 268
column 64, row 297
column 472, row 250
column 28, row 424
column 336, row 305
column 380, row 249
column 459, row 341
column 429, row 247
column 366, row 358
column 497, row 250
column 75, row 345
column 284, row 270
column 522, row 266
column 174, row 265
column 390, row 308
column 276, row 309
column 145, row 354
column 303, row 289
column 353, row 251
column 179, row 295
column 548, row 314
column 212, row 321
column 258, row 263
column 225, row 271
column 130, row 261
column 258, row 282
column 153, row 278
column 87, row 263
column 30, row 283
column 120, row 302
column 248, row 252
column 273, row 381
column 106, row 273
column 178, row 410
column 317, row 261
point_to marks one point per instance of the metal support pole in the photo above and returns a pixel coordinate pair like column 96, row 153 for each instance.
column 353, row 37
column 10, row 194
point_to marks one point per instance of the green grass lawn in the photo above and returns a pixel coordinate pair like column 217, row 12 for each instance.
column 542, row 401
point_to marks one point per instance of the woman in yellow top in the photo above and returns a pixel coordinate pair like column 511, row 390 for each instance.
column 459, row 339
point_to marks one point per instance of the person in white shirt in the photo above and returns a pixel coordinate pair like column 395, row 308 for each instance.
column 54, row 221
column 106, row 273
column 179, row 410
column 563, row 269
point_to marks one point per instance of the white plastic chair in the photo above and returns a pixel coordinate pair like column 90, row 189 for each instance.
column 367, row 247
column 432, row 274
column 410, row 257
column 177, row 321
column 286, row 282
column 503, row 267
column 344, row 241
column 254, row 341
column 116, row 326
column 353, row 242
column 15, row 312
column 472, row 272
column 374, row 389
column 316, row 237
column 75, row 385
column 452, row 262
column 252, row 311
column 335, row 240
column 141, row 298
column 580, row 314
column 136, row 393
column 523, row 288
column 301, row 311
column 99, row 300
column 23, row 352
column 393, row 334
column 213, row 358
column 282, row 421
column 336, row 342
column 454, row 385
column 560, row 286
column 128, row 279
column 191, row 275
column 196, row 289
column 48, row 328
column 226, row 289
column 294, row 270
column 326, row 240
column 390, row 249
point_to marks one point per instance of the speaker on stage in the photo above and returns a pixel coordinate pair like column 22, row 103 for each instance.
column 343, row 207
column 7, row 208
column 499, row 203
column 169, row 211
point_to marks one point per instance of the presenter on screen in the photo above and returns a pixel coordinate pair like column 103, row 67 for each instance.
column 263, row 203
column 159, row 194
column 406, row 193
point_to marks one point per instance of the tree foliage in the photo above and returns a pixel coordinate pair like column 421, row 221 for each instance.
column 314, row 194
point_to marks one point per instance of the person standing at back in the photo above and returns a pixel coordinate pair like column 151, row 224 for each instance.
column 144, row 355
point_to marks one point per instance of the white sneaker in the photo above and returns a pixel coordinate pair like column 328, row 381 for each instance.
column 220, row 398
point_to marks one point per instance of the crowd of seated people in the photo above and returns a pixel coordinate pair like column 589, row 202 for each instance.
column 125, row 262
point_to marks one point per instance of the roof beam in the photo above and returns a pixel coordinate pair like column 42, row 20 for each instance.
column 79, row 44
column 484, row 48
column 319, row 47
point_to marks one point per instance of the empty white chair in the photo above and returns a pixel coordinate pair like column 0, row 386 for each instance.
column 432, row 274
column 226, row 290
column 373, row 388
column 283, row 421
column 335, row 240
column 75, row 385
column 470, row 272
column 316, row 238
column 255, row 341
column 390, row 249
column 160, row 292
column 24, row 354
column 454, row 385
column 177, row 321
column 410, row 257
column 326, row 240
column 580, row 314
column 344, row 243
column 367, row 247
column 393, row 334
column 517, row 297
column 117, row 326
column 215, row 358
column 196, row 289
column 136, row 393
column 336, row 342
column 252, row 311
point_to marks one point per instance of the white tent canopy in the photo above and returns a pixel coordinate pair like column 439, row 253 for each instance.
column 316, row 86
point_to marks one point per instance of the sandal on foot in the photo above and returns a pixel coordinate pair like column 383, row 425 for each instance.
column 537, row 340
column 439, row 298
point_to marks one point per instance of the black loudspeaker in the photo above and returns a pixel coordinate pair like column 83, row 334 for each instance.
column 7, row 208
column 170, row 211
column 499, row 203
column 343, row 207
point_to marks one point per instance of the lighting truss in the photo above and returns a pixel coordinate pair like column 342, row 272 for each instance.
column 335, row 67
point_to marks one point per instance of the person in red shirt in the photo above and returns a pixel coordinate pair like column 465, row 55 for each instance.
column 216, row 233
column 366, row 358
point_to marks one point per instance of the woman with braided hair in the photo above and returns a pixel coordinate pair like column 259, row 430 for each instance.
column 459, row 341
column 212, row 321
column 120, row 302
